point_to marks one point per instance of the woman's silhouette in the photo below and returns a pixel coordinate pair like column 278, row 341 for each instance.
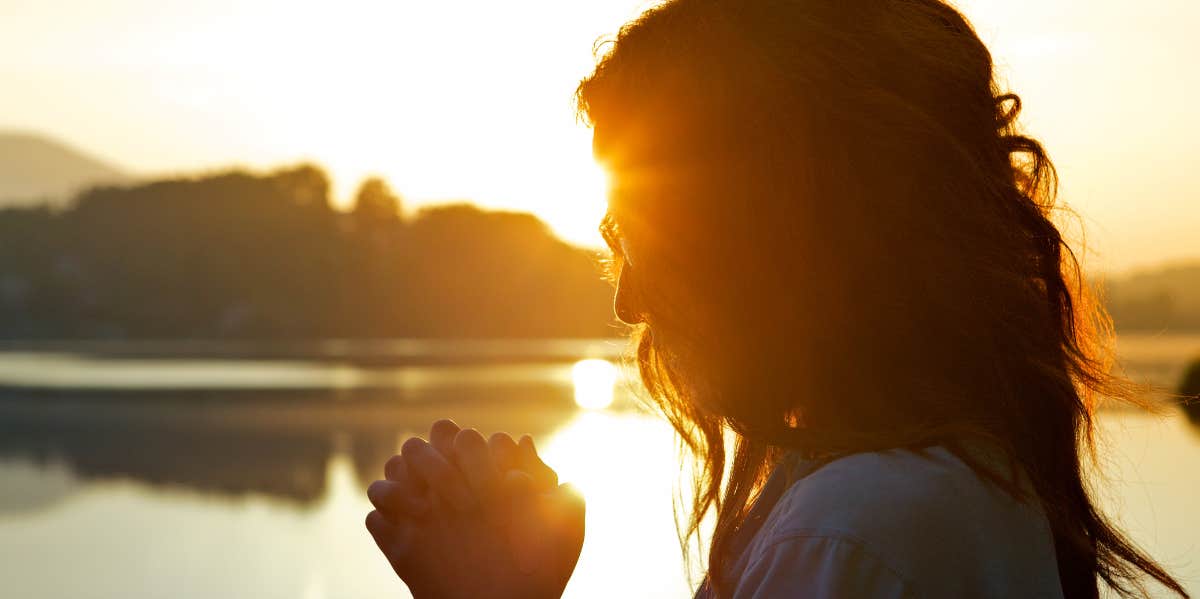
column 837, row 249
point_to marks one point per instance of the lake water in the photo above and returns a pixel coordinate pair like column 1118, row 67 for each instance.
column 156, row 471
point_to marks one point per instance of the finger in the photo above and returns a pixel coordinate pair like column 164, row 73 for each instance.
column 426, row 463
column 386, row 535
column 504, row 452
column 475, row 461
column 544, row 477
column 382, row 529
column 441, row 436
column 393, row 540
column 396, row 469
column 522, row 497
column 396, row 499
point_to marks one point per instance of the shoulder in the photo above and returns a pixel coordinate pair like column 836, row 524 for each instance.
column 820, row 566
column 920, row 520
column 867, row 494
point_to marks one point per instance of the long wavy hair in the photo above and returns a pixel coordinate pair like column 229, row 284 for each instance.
column 840, row 241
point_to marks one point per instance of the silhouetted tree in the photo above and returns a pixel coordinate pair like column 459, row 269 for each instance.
column 375, row 205
column 501, row 273
column 1156, row 299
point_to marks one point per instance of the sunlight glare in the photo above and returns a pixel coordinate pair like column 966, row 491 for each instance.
column 625, row 465
column 594, row 382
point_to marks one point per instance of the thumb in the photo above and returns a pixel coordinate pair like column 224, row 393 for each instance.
column 568, row 511
column 547, row 531
column 544, row 477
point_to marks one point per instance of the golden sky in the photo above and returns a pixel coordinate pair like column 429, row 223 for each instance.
column 453, row 99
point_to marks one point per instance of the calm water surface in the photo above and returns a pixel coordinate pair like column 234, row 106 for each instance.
column 122, row 475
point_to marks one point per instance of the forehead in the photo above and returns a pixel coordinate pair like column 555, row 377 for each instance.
column 626, row 147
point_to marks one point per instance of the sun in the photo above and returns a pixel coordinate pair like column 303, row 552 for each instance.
column 575, row 210
column 446, row 109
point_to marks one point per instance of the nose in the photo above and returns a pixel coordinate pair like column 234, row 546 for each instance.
column 626, row 303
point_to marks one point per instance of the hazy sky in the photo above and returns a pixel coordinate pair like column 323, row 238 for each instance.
column 455, row 99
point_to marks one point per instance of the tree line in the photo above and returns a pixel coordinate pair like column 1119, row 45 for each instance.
column 1166, row 298
column 243, row 255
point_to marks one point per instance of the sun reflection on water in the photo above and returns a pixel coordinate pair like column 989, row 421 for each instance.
column 626, row 466
column 594, row 381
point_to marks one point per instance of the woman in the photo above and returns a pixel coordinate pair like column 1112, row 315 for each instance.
column 836, row 247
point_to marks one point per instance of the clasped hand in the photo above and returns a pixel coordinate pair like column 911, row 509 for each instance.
column 462, row 516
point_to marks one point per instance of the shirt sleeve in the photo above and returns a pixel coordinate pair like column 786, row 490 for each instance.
column 820, row 567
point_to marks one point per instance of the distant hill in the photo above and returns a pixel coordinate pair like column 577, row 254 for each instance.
column 1167, row 297
column 36, row 169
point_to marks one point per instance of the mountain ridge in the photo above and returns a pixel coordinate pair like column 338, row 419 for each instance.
column 37, row 169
